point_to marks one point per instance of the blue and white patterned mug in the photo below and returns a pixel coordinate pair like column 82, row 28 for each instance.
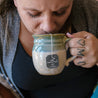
column 49, row 53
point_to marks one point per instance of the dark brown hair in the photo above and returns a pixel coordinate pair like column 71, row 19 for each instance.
column 5, row 6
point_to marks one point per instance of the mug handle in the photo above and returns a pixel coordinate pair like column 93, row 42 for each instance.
column 71, row 58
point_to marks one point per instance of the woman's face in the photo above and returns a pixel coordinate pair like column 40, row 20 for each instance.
column 43, row 16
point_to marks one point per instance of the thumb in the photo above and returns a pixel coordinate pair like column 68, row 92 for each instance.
column 82, row 34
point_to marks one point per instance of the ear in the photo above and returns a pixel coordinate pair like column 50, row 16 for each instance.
column 15, row 2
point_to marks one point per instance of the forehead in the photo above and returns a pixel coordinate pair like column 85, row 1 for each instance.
column 43, row 4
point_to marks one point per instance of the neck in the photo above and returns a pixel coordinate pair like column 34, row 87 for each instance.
column 26, row 39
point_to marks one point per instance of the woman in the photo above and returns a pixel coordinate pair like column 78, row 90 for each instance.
column 16, row 42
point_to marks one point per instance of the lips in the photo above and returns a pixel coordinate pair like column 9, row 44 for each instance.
column 43, row 33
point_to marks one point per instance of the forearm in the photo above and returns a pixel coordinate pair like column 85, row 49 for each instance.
column 5, row 93
column 5, row 89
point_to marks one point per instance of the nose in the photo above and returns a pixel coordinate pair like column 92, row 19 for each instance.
column 48, row 24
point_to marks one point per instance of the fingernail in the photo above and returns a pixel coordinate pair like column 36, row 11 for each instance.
column 68, row 33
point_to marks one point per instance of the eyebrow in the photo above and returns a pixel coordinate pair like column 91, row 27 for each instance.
column 65, row 7
column 32, row 9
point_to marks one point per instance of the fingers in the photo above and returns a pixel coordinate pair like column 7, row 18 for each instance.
column 84, row 45
column 81, row 62
column 77, row 42
column 84, row 62
column 77, row 48
column 82, row 34
column 78, row 52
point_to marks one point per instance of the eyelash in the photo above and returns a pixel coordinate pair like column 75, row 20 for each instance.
column 34, row 16
column 59, row 14
column 54, row 13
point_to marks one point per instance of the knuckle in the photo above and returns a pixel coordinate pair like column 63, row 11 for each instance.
column 93, row 61
column 75, row 61
column 72, row 51
column 93, row 54
column 71, row 43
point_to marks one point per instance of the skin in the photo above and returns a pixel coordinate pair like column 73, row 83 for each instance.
column 49, row 16
column 5, row 93
column 84, row 45
column 45, row 16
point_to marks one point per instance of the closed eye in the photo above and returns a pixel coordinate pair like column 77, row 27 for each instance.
column 34, row 15
column 59, row 13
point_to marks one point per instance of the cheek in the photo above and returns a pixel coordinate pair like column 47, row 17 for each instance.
column 29, row 23
column 63, row 19
column 29, row 26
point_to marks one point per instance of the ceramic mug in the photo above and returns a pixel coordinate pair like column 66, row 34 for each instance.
column 49, row 53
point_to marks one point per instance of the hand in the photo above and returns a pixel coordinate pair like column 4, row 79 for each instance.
column 84, row 45
column 5, row 93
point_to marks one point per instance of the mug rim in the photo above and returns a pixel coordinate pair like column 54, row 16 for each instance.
column 48, row 34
